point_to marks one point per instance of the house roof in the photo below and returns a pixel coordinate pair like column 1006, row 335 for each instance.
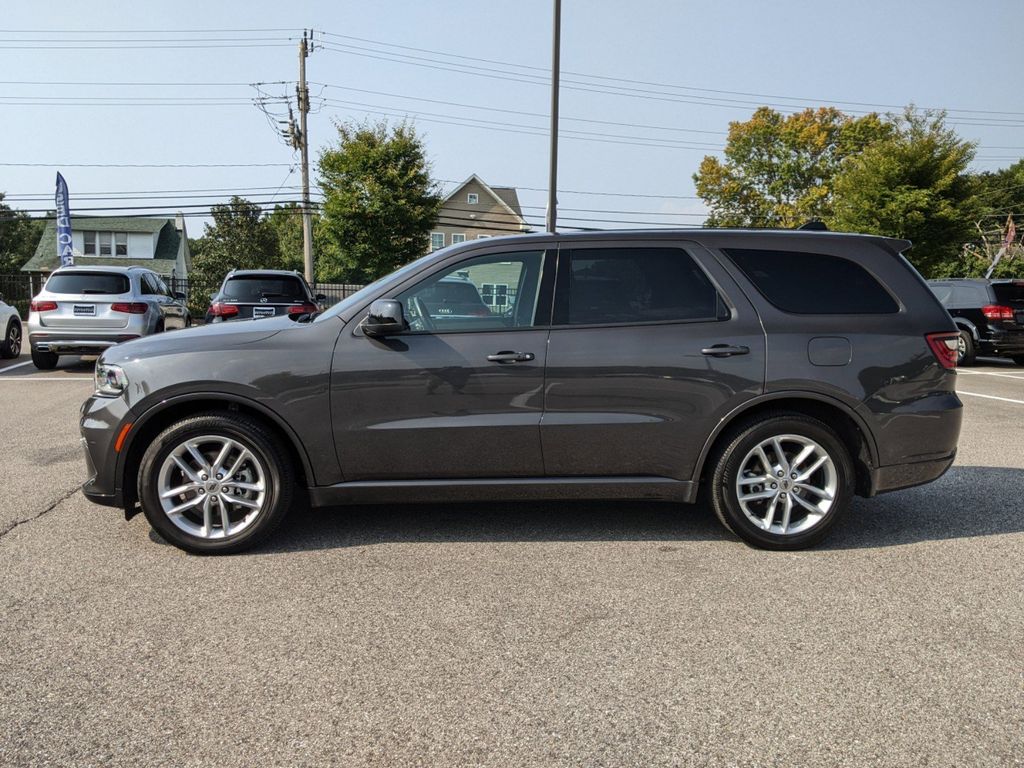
column 506, row 197
column 164, row 259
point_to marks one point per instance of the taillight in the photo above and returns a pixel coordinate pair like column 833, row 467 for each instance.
column 42, row 306
column 132, row 308
column 997, row 312
column 220, row 309
column 945, row 347
column 302, row 309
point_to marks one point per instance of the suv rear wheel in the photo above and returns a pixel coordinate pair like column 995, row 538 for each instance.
column 215, row 483
column 966, row 351
column 782, row 481
column 44, row 361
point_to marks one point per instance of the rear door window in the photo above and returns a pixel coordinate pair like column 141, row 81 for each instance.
column 255, row 288
column 100, row 283
column 634, row 285
column 804, row 283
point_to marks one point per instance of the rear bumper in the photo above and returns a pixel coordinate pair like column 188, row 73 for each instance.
column 1003, row 343
column 76, row 344
column 899, row 476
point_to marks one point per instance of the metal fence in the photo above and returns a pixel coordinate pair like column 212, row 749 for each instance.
column 18, row 290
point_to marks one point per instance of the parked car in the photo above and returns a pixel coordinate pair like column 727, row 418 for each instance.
column 10, row 324
column 85, row 310
column 252, row 294
column 989, row 315
column 632, row 365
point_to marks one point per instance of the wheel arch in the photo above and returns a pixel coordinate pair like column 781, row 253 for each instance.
column 169, row 411
column 852, row 429
column 966, row 325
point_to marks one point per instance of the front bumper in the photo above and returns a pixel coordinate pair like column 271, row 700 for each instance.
column 75, row 344
column 102, row 419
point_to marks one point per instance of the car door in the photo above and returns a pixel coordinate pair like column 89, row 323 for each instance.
column 651, row 345
column 174, row 309
column 151, row 293
column 460, row 394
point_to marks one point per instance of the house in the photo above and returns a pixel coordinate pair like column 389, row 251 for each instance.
column 476, row 210
column 160, row 244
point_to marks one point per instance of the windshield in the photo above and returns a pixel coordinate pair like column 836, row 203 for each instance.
column 101, row 283
column 253, row 288
column 359, row 296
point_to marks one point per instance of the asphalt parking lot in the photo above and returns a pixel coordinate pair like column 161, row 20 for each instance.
column 512, row 635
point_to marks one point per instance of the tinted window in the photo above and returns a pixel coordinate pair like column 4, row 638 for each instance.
column 148, row 285
column 251, row 289
column 813, row 283
column 1009, row 293
column 636, row 285
column 466, row 297
column 88, row 282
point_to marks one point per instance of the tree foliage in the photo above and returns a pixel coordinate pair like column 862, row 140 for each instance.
column 778, row 170
column 19, row 236
column 913, row 184
column 379, row 202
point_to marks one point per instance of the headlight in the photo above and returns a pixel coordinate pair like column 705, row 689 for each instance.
column 111, row 381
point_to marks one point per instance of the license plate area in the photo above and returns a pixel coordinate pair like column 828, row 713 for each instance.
column 84, row 310
column 263, row 312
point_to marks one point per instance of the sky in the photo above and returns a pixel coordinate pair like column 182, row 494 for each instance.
column 100, row 91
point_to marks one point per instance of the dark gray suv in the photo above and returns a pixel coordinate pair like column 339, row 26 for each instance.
column 779, row 372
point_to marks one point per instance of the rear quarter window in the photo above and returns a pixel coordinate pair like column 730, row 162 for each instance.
column 100, row 283
column 803, row 283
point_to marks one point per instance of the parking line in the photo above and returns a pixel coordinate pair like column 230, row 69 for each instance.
column 45, row 378
column 991, row 397
column 987, row 373
column 12, row 367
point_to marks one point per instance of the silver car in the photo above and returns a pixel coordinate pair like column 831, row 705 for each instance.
column 84, row 310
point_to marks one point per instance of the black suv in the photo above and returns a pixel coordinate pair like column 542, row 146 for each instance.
column 779, row 372
column 253, row 294
column 989, row 315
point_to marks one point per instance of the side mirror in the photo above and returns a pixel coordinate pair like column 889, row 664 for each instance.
column 1, row 297
column 180, row 296
column 321, row 297
column 213, row 296
column 385, row 318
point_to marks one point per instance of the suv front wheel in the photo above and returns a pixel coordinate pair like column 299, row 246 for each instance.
column 215, row 483
column 782, row 482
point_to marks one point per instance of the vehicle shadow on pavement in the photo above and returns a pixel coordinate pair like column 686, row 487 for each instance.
column 967, row 502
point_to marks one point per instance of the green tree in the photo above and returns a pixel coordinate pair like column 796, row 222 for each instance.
column 19, row 236
column 778, row 170
column 379, row 202
column 913, row 184
column 239, row 238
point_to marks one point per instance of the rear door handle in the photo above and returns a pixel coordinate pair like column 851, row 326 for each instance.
column 724, row 350
column 511, row 357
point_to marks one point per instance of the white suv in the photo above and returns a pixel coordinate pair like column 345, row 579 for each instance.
column 10, row 324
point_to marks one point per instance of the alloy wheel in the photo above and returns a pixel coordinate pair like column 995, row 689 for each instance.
column 787, row 484
column 212, row 487
column 14, row 339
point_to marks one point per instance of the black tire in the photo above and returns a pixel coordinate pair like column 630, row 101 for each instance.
column 44, row 361
column 188, row 321
column 1019, row 359
column 728, row 461
column 10, row 346
column 253, row 435
column 967, row 351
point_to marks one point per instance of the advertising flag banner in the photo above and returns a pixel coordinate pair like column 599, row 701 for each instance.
column 64, row 249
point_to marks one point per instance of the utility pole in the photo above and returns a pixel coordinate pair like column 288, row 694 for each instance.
column 305, row 46
column 553, row 170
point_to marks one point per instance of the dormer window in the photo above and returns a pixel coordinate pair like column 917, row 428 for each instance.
column 472, row 198
column 105, row 244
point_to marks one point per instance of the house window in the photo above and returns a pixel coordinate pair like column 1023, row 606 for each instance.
column 458, row 238
column 120, row 243
column 89, row 244
column 105, row 242
column 495, row 294
column 472, row 198
column 436, row 240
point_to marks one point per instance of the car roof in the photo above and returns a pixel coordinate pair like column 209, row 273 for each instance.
column 109, row 270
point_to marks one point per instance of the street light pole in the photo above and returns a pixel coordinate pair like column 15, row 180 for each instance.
column 553, row 170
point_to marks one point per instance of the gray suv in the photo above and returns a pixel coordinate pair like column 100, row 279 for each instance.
column 776, row 372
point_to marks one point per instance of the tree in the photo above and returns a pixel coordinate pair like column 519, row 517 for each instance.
column 778, row 170
column 240, row 238
column 19, row 236
column 913, row 184
column 379, row 201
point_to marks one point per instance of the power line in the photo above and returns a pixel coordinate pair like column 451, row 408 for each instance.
column 145, row 165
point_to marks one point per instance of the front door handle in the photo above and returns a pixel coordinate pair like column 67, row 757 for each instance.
column 511, row 357
column 724, row 350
